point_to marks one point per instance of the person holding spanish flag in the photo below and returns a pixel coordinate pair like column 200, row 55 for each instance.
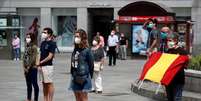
column 175, row 87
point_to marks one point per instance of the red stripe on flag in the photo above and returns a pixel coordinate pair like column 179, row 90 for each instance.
column 150, row 62
column 177, row 65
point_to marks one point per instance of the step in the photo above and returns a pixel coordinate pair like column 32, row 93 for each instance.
column 148, row 89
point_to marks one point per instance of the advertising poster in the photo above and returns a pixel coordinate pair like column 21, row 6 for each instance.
column 139, row 39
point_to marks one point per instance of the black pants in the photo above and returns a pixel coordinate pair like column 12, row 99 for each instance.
column 174, row 92
column 112, row 55
column 31, row 79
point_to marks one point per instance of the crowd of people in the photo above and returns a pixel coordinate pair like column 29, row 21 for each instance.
column 87, row 62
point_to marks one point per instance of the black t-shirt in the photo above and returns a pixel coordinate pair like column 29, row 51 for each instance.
column 46, row 48
column 122, row 41
column 180, row 76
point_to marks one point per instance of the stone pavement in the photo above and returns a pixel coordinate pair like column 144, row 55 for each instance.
column 116, row 80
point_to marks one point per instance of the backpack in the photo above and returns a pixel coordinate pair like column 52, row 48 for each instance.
column 80, row 72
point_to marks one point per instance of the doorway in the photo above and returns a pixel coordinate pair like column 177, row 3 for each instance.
column 100, row 20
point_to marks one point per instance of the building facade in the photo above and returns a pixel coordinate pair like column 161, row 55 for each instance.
column 64, row 16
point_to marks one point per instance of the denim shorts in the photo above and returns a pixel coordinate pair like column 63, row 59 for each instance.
column 86, row 87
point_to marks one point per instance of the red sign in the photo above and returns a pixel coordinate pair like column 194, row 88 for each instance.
column 164, row 19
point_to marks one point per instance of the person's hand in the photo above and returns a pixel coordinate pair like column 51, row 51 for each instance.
column 26, row 70
column 39, row 68
column 148, row 52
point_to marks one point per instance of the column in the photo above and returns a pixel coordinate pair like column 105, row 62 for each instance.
column 82, row 18
column 46, row 20
column 196, row 16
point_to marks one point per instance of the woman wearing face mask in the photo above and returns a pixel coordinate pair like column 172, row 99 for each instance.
column 98, row 54
column 30, row 69
column 82, row 66
column 175, row 88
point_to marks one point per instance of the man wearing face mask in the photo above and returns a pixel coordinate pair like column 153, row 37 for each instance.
column 163, row 39
column 175, row 88
column 113, row 45
column 151, row 26
column 47, row 51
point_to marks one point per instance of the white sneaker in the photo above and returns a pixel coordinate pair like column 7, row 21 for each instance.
column 18, row 59
column 14, row 59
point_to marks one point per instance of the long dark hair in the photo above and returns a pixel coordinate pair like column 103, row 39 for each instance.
column 84, row 39
column 33, row 38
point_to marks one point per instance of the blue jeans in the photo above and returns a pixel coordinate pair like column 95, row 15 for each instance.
column 31, row 80
column 17, row 53
column 174, row 92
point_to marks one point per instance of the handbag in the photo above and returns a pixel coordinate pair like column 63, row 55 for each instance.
column 97, row 66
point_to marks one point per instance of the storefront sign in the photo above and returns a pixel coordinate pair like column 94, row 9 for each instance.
column 3, row 22
column 99, row 5
column 144, row 18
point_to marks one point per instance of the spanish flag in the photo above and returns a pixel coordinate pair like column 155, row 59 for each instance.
column 162, row 67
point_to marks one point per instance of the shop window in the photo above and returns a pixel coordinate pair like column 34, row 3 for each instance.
column 66, row 25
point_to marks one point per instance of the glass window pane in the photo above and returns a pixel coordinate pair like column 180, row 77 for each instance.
column 66, row 27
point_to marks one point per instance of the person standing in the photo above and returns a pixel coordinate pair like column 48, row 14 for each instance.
column 123, row 42
column 47, row 52
column 163, row 39
column 16, row 47
column 151, row 26
column 98, row 53
column 175, row 88
column 82, row 66
column 113, row 46
column 29, row 66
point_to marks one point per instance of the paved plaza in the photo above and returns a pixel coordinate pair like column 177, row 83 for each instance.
column 116, row 81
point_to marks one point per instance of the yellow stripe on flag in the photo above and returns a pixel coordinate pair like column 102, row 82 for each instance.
column 157, row 71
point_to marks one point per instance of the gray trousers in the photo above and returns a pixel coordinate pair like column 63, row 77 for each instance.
column 123, row 52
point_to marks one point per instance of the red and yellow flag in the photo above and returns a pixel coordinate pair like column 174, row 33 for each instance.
column 162, row 67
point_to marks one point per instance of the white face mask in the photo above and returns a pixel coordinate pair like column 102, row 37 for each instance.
column 94, row 42
column 28, row 40
column 44, row 36
column 77, row 40
column 112, row 33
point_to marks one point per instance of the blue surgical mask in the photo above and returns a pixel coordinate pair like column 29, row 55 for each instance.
column 151, row 25
column 163, row 35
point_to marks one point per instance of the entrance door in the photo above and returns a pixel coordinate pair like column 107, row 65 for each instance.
column 100, row 20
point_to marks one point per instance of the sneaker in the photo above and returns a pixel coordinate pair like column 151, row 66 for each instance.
column 99, row 92
column 18, row 59
column 14, row 59
column 92, row 91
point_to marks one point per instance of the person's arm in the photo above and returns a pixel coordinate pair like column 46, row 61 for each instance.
column 126, row 43
column 49, row 57
column 153, row 45
column 117, row 41
column 90, row 59
column 145, row 24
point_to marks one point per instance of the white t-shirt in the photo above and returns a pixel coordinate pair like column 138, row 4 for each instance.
column 112, row 40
